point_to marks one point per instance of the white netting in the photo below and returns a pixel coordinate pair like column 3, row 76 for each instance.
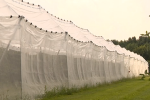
column 10, row 58
column 57, row 59
column 32, row 58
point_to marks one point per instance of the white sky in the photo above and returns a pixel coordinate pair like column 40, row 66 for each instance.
column 112, row 19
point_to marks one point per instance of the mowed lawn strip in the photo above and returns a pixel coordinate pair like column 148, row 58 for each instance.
column 128, row 89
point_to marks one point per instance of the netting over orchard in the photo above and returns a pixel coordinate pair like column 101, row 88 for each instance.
column 39, row 50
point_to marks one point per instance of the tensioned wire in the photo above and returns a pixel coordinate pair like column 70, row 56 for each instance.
column 78, row 63
column 30, row 5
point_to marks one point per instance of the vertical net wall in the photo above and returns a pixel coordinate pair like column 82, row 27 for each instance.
column 10, row 59
column 33, row 61
column 44, row 61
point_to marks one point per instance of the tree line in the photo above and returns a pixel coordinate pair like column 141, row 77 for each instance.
column 140, row 46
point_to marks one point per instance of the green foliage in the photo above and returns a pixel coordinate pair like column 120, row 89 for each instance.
column 146, row 72
column 62, row 91
column 143, row 76
column 115, row 42
column 131, row 46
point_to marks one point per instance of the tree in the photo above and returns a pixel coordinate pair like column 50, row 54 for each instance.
column 115, row 42
column 131, row 46
column 146, row 35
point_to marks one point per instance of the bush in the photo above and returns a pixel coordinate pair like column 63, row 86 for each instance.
column 143, row 76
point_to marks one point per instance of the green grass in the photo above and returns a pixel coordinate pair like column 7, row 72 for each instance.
column 127, row 89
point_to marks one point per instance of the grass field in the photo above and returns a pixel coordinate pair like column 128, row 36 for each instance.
column 127, row 89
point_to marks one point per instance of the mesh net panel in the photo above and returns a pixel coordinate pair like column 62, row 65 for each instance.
column 44, row 61
column 33, row 60
column 10, row 59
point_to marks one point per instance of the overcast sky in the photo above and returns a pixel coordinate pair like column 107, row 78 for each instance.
column 112, row 19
